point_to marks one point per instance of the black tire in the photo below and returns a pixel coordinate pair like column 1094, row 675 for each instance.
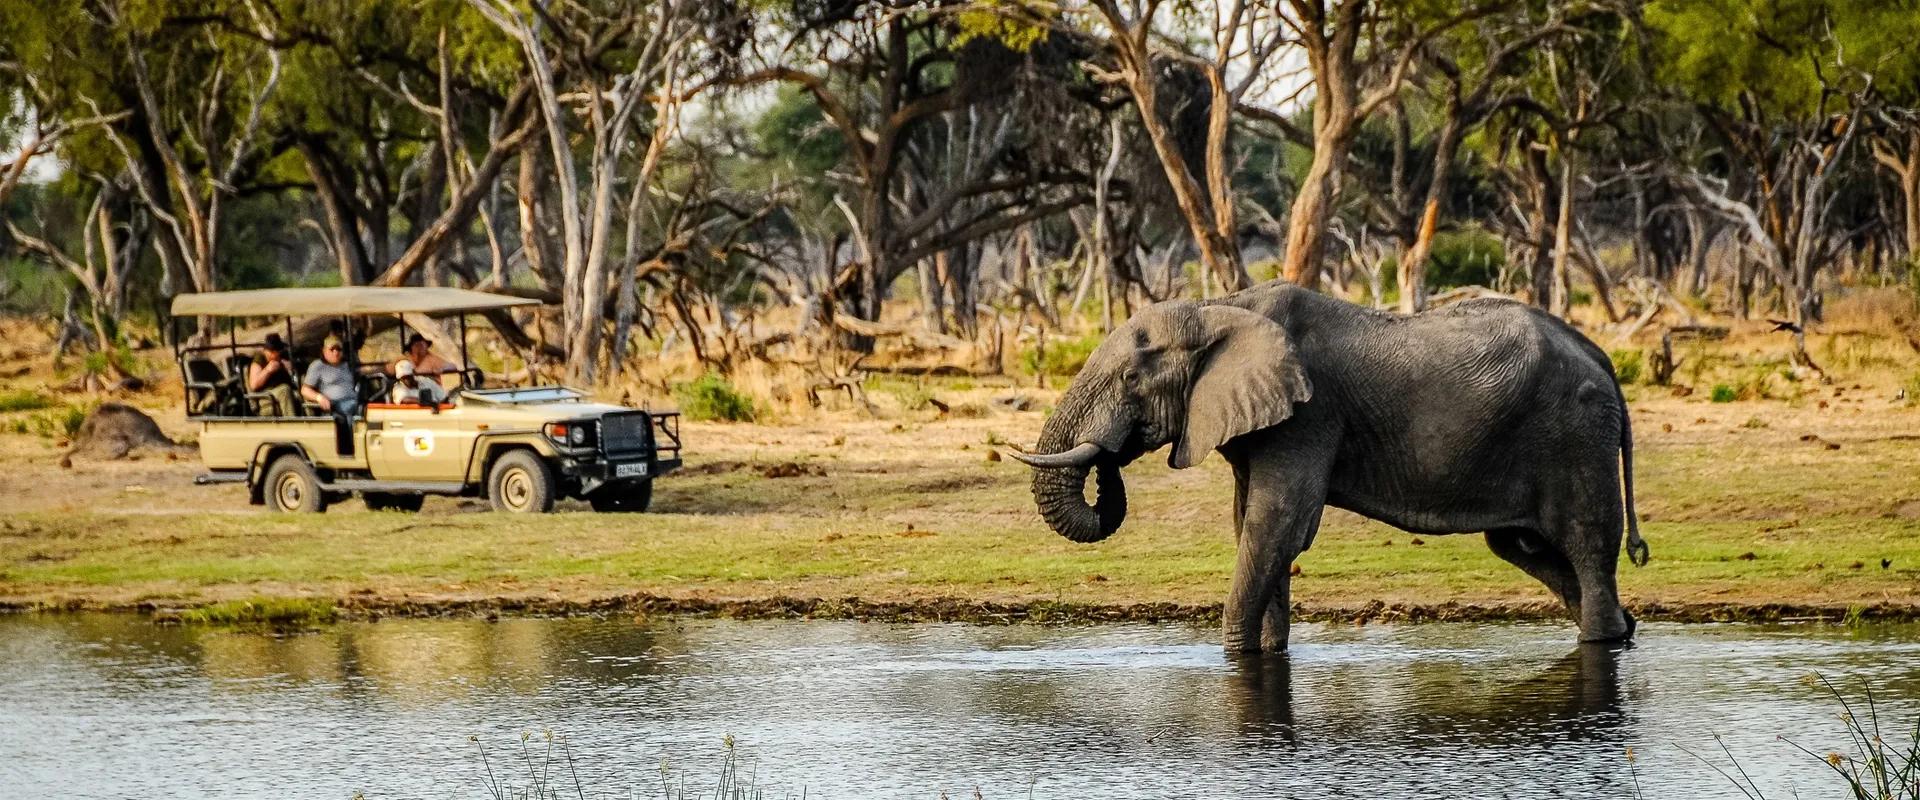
column 387, row 501
column 625, row 497
column 292, row 487
column 520, row 483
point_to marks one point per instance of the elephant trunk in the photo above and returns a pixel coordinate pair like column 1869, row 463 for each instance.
column 1063, row 504
column 1061, row 492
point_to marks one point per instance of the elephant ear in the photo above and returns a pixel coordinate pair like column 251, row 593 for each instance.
column 1247, row 378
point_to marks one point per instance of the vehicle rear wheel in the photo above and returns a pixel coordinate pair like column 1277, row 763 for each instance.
column 293, row 488
column 387, row 501
column 520, row 483
column 625, row 497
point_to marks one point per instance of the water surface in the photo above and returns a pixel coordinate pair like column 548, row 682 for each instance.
column 111, row 706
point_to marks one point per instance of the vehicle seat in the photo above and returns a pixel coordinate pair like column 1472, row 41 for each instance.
column 211, row 391
column 375, row 387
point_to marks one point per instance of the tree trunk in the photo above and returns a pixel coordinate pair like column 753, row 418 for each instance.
column 1413, row 268
column 1312, row 211
column 350, row 257
column 1563, row 240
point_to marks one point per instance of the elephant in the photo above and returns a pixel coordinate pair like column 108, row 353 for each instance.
column 1486, row 415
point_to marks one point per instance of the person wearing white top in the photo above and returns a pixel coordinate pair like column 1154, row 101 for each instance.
column 410, row 388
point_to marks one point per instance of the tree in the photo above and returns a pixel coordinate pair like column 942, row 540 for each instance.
column 1787, row 97
column 1350, row 83
column 884, row 71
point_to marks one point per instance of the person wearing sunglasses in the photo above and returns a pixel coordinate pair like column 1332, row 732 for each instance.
column 330, row 385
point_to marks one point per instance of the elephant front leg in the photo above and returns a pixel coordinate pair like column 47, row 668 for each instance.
column 1279, row 515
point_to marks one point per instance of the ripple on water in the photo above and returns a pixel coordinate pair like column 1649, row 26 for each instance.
column 110, row 706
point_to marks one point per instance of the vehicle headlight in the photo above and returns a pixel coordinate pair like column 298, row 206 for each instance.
column 570, row 434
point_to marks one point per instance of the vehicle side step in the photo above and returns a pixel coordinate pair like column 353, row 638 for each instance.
column 222, row 476
column 398, row 487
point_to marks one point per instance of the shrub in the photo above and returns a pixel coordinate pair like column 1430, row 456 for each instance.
column 1063, row 357
column 61, row 422
column 1465, row 258
column 912, row 396
column 1627, row 366
column 1912, row 387
column 1723, row 393
column 24, row 401
column 713, row 398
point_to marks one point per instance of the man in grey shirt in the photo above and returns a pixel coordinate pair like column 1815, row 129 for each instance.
column 330, row 385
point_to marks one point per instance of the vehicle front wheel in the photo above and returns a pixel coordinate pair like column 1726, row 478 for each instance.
column 386, row 501
column 520, row 483
column 627, row 497
column 293, row 487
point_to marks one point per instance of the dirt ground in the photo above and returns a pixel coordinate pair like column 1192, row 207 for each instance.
column 1801, row 495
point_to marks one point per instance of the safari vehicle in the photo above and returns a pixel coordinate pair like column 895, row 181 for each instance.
column 519, row 447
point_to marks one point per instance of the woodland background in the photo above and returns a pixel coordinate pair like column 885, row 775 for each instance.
column 800, row 193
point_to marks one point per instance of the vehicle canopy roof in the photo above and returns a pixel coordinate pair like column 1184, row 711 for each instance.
column 342, row 301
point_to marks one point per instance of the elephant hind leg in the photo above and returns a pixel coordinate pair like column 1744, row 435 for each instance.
column 1534, row 555
column 1583, row 579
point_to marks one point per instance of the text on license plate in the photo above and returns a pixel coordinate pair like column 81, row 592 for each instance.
column 630, row 470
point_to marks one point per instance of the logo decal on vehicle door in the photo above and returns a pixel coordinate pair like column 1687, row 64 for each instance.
column 419, row 443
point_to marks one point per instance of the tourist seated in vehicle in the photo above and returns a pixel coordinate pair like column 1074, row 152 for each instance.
column 271, row 386
column 330, row 382
column 411, row 388
column 427, row 367
column 332, row 386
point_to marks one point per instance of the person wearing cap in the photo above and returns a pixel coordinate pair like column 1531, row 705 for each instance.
column 411, row 388
column 426, row 367
column 271, row 374
column 331, row 385
column 330, row 381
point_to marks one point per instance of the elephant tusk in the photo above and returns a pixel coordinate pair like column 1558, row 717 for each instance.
column 1077, row 457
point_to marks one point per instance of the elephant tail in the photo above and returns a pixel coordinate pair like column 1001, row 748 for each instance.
column 1636, row 547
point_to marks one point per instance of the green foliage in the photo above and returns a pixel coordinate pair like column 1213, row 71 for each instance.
column 24, row 401
column 799, row 134
column 280, row 613
column 913, row 396
column 995, row 19
column 1465, row 258
column 1776, row 53
column 713, row 398
column 1722, row 393
column 120, row 358
column 1912, row 388
column 1628, row 366
column 1064, row 357
column 61, row 422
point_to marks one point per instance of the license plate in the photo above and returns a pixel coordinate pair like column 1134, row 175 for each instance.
column 630, row 470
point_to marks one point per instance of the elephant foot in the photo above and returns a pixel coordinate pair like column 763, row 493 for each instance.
column 1244, row 645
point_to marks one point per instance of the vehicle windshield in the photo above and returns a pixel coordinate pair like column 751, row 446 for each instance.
column 531, row 394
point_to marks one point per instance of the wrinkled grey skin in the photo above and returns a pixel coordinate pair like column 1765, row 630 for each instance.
column 1485, row 415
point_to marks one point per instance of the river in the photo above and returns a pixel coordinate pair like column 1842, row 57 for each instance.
column 113, row 706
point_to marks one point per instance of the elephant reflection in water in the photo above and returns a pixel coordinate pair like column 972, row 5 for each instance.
column 1578, row 696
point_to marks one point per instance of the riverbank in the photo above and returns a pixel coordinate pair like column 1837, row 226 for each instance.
column 311, row 610
column 1754, row 510
column 1800, row 501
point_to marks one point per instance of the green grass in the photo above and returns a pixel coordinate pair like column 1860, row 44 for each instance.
column 272, row 612
column 25, row 400
column 1063, row 357
column 61, row 422
column 1628, row 366
column 1735, row 514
